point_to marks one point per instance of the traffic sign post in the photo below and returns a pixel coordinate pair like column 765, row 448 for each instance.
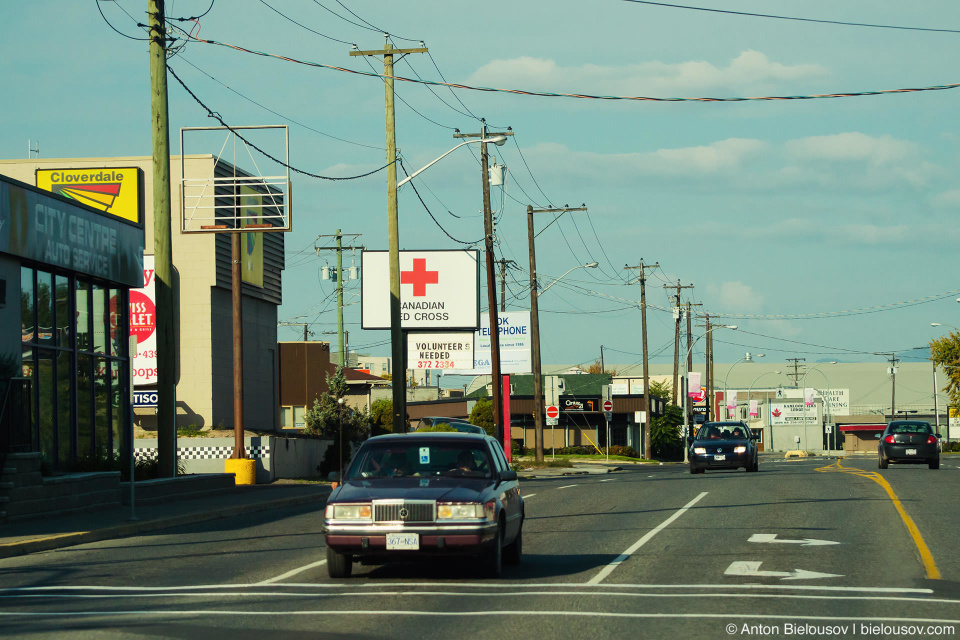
column 553, row 418
column 608, row 415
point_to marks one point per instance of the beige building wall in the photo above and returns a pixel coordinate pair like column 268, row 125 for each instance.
column 203, row 316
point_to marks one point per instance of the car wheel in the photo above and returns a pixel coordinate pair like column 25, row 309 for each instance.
column 492, row 559
column 883, row 464
column 935, row 463
column 694, row 470
column 751, row 467
column 339, row 565
column 513, row 554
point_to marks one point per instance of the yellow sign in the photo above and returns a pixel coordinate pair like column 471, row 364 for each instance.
column 251, row 253
column 112, row 190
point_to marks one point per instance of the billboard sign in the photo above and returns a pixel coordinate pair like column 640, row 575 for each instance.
column 143, row 326
column 113, row 190
column 439, row 350
column 514, row 345
column 438, row 290
column 788, row 413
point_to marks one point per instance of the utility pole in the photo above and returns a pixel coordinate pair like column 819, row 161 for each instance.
column 503, row 281
column 893, row 385
column 398, row 348
column 503, row 434
column 676, row 336
column 601, row 359
column 796, row 370
column 683, row 400
column 162, row 247
column 708, row 365
column 342, row 361
column 535, row 327
column 647, row 445
column 296, row 324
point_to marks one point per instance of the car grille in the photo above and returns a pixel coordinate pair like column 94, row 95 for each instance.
column 404, row 510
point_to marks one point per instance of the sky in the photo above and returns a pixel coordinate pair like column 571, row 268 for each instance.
column 825, row 229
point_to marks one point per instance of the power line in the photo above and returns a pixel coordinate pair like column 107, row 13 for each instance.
column 303, row 26
column 765, row 15
column 850, row 312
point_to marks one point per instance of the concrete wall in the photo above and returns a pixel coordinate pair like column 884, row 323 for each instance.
column 276, row 457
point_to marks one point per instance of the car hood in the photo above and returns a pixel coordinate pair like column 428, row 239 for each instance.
column 720, row 443
column 441, row 489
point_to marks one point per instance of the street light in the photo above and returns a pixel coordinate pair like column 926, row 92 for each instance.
column 940, row 324
column 535, row 350
column 497, row 140
column 803, row 387
column 745, row 358
column 686, row 375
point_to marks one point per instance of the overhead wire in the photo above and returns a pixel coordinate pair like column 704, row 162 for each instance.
column 430, row 213
column 303, row 26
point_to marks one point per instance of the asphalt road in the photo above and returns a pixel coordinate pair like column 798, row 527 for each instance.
column 805, row 548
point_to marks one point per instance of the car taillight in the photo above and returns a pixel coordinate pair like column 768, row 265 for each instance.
column 931, row 440
column 890, row 440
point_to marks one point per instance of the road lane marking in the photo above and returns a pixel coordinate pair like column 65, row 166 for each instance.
column 607, row 570
column 609, row 480
column 293, row 572
column 772, row 537
column 567, row 487
column 928, row 564
column 751, row 569
column 528, row 495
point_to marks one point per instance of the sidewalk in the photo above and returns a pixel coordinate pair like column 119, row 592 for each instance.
column 43, row 534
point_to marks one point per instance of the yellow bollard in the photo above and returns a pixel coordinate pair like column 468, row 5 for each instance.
column 244, row 470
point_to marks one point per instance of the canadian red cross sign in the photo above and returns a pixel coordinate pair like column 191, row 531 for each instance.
column 438, row 290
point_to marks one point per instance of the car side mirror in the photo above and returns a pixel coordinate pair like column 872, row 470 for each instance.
column 690, row 439
column 507, row 475
column 939, row 436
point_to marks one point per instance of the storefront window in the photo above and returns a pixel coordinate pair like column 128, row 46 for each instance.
column 298, row 417
column 102, row 401
column 64, row 317
column 26, row 305
column 83, row 315
column 117, row 394
column 46, row 415
column 64, row 431
column 44, row 301
column 285, row 422
column 101, row 316
column 118, row 313
column 84, row 406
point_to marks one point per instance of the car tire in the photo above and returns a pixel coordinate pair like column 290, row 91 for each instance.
column 694, row 470
column 339, row 565
column 492, row 559
column 883, row 464
column 751, row 467
column 513, row 553
column 935, row 464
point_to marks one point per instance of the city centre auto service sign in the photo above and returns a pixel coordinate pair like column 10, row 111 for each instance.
column 438, row 290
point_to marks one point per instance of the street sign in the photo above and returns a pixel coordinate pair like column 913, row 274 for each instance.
column 553, row 412
column 145, row 398
column 552, row 422
column 607, row 406
column 608, row 415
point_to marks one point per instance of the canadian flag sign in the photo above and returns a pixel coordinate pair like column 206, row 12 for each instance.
column 693, row 385
column 438, row 289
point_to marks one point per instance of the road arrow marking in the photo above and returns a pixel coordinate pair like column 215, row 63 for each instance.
column 772, row 537
column 751, row 569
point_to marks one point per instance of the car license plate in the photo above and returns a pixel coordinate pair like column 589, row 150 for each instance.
column 720, row 456
column 911, row 452
column 409, row 541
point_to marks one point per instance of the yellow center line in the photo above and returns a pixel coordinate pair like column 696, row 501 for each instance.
column 928, row 564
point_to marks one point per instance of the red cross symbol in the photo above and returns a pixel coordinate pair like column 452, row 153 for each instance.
column 419, row 277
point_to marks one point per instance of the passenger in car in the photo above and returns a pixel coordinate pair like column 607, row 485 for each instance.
column 465, row 461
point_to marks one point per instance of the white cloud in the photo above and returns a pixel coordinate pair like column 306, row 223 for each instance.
column 736, row 297
column 748, row 71
column 949, row 199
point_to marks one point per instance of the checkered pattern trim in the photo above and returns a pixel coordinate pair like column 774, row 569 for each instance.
column 204, row 453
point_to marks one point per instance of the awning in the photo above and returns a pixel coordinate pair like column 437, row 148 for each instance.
column 862, row 427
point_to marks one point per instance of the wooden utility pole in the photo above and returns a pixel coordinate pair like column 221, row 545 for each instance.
column 796, row 370
column 342, row 351
column 503, row 281
column 689, row 364
column 491, row 282
column 893, row 385
column 398, row 348
column 708, row 365
column 647, row 445
column 162, row 247
column 535, row 329
column 676, row 336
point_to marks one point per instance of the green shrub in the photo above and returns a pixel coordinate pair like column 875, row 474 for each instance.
column 442, row 427
column 517, row 449
column 620, row 450
column 577, row 450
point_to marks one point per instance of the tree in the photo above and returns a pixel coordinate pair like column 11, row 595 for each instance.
column 482, row 415
column 596, row 368
column 945, row 352
column 660, row 389
column 665, row 434
column 337, row 421
column 381, row 416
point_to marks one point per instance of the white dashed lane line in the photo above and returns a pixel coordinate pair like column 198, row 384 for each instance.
column 567, row 487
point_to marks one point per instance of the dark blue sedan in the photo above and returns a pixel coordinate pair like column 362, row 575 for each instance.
column 723, row 445
column 408, row 496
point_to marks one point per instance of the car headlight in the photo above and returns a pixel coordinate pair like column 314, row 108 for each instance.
column 451, row 511
column 740, row 450
column 699, row 450
column 349, row 512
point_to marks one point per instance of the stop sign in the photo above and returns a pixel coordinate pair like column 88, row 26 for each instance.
column 553, row 411
column 607, row 405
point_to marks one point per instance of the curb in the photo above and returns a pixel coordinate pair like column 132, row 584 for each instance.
column 59, row 541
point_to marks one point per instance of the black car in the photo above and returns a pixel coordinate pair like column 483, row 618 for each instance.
column 911, row 441
column 723, row 445
column 407, row 496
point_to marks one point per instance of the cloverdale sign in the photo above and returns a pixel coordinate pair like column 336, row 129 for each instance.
column 438, row 290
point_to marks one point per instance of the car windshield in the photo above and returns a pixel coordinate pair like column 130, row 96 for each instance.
column 910, row 427
column 421, row 458
column 722, row 432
